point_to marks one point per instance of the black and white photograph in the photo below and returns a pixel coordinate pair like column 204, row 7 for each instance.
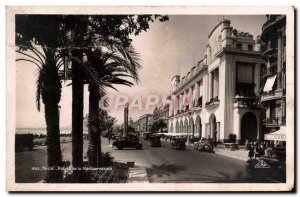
column 150, row 99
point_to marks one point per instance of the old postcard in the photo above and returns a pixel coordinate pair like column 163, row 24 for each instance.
column 150, row 99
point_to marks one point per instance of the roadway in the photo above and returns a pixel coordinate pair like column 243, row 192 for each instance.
column 163, row 164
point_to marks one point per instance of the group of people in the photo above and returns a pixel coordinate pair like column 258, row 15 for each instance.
column 258, row 149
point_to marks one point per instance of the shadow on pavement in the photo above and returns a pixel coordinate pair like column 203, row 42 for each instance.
column 275, row 173
column 164, row 170
column 252, row 174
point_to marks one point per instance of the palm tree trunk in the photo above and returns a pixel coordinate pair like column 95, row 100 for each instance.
column 51, row 94
column 53, row 143
column 94, row 147
column 77, row 113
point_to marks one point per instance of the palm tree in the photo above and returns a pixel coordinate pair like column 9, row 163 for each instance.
column 33, row 31
column 85, row 30
column 112, row 68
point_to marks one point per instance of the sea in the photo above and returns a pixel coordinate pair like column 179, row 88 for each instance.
column 39, row 131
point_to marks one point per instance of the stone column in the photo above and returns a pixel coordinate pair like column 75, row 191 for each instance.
column 207, row 129
column 210, row 87
column 175, row 104
column 257, row 70
column 196, row 96
column 216, row 83
column 212, row 130
column 191, row 97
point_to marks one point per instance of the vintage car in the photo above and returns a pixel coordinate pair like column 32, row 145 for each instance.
column 23, row 141
column 155, row 141
column 127, row 142
column 178, row 143
column 115, row 136
column 203, row 145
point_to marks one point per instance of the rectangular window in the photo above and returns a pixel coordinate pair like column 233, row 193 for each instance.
column 272, row 119
column 245, row 79
column 199, row 102
column 214, row 84
column 250, row 47
column 239, row 46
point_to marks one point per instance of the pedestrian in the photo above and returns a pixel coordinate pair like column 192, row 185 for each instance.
column 109, row 137
column 251, row 150
column 257, row 151
column 262, row 150
column 270, row 150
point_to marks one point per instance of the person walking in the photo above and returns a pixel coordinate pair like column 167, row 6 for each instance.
column 258, row 151
column 251, row 150
column 109, row 138
column 262, row 150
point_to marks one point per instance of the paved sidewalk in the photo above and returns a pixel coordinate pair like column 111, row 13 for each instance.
column 240, row 154
column 138, row 175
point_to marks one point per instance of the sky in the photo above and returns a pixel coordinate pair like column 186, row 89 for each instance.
column 166, row 49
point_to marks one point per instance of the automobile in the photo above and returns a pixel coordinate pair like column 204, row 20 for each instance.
column 178, row 143
column 127, row 142
column 23, row 141
column 203, row 145
column 146, row 135
column 115, row 136
column 155, row 141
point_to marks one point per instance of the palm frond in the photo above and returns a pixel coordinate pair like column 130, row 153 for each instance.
column 120, row 81
column 41, row 56
column 27, row 60
column 30, row 56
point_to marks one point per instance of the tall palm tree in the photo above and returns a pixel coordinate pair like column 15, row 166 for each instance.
column 112, row 67
column 42, row 31
column 85, row 29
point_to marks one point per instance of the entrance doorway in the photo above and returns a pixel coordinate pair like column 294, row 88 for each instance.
column 248, row 127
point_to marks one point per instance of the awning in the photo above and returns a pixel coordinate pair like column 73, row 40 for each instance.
column 176, row 134
column 269, row 83
column 279, row 135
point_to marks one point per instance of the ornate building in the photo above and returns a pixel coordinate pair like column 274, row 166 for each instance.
column 273, row 77
column 144, row 123
column 222, row 89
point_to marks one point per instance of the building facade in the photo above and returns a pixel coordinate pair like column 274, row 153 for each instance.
column 273, row 98
column 136, row 126
column 222, row 90
column 145, row 123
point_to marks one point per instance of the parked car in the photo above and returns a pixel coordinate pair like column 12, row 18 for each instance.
column 127, row 142
column 23, row 141
column 178, row 143
column 115, row 136
column 203, row 145
column 155, row 141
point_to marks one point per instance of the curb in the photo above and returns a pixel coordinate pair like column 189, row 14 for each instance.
column 137, row 175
